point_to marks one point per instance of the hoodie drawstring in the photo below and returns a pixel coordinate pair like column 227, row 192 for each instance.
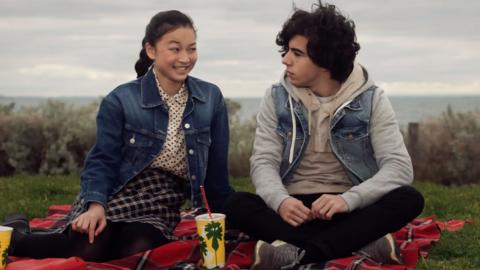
column 294, row 131
column 309, row 122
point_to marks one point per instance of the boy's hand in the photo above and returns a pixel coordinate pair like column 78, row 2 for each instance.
column 92, row 222
column 328, row 205
column 294, row 212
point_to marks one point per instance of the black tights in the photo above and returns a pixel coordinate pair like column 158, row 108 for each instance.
column 117, row 240
column 324, row 240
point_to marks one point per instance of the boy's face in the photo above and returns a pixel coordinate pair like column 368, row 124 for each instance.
column 301, row 70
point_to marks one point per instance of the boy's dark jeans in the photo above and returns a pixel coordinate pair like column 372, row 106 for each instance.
column 322, row 239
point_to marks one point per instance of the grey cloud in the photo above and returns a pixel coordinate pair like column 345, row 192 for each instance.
column 106, row 35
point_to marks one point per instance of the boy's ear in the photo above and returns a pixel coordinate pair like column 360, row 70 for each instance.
column 150, row 50
column 325, row 72
column 324, row 69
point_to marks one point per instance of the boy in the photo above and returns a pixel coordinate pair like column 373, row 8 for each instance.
column 329, row 164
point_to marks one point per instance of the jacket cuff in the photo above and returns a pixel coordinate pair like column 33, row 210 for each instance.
column 96, row 197
column 353, row 200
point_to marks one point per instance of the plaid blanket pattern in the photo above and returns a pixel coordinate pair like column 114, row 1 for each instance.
column 415, row 240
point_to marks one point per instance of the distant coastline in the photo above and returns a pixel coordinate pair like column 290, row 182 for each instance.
column 407, row 108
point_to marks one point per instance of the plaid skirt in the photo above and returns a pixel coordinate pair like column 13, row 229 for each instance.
column 153, row 197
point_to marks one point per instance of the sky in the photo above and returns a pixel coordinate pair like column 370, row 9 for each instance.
column 86, row 48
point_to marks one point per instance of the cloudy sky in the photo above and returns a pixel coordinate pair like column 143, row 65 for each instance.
column 87, row 47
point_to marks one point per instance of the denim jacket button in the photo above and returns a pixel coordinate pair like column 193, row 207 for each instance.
column 187, row 125
column 191, row 152
column 193, row 177
column 132, row 140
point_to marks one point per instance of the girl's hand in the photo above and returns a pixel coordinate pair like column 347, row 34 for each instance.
column 92, row 222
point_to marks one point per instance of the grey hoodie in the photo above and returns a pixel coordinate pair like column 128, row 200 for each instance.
column 395, row 168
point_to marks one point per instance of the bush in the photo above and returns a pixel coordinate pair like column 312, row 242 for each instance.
column 25, row 143
column 5, row 126
column 448, row 148
column 51, row 138
column 69, row 134
column 54, row 138
column 242, row 135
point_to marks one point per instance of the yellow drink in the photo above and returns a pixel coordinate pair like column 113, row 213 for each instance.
column 5, row 236
column 212, row 239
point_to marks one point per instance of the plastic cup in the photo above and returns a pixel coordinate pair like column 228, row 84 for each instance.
column 5, row 236
column 212, row 239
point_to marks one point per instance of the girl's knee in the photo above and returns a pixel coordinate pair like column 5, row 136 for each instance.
column 139, row 245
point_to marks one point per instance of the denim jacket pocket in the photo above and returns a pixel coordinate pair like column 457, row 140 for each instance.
column 136, row 142
column 203, row 136
column 351, row 133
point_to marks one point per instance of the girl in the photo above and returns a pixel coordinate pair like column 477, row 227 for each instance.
column 158, row 138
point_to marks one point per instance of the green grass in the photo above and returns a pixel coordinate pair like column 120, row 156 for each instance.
column 32, row 195
column 459, row 250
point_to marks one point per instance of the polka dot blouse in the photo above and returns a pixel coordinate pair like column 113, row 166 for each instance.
column 172, row 157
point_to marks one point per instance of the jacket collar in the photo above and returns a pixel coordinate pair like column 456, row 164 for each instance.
column 195, row 89
column 151, row 97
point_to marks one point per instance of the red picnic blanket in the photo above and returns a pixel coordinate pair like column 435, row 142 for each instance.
column 414, row 239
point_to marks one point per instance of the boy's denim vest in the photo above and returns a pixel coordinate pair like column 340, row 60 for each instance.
column 349, row 135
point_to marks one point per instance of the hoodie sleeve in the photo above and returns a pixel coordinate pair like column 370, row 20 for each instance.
column 393, row 160
column 267, row 154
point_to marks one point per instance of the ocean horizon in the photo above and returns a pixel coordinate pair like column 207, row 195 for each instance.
column 407, row 108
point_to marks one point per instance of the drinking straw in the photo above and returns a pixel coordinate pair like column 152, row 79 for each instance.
column 205, row 200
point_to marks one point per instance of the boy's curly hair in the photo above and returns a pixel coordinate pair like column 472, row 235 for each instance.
column 331, row 38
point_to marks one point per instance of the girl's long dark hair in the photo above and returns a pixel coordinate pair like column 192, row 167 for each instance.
column 160, row 24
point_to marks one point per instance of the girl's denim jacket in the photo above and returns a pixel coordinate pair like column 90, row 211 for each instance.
column 131, row 129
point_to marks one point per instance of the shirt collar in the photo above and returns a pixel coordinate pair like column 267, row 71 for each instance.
column 180, row 97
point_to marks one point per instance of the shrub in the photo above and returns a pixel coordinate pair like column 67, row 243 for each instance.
column 69, row 134
column 241, row 141
column 51, row 138
column 5, row 126
column 24, row 141
column 54, row 138
column 448, row 148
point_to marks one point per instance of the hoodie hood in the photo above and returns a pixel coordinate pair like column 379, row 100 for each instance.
column 320, row 110
column 358, row 81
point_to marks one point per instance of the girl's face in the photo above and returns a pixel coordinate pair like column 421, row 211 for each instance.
column 174, row 55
